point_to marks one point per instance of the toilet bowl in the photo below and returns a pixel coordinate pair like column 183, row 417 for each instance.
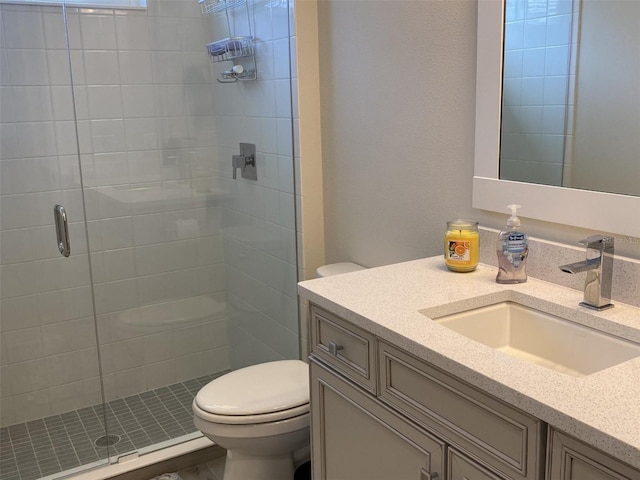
column 260, row 414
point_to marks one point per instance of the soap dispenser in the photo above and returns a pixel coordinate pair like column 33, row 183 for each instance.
column 512, row 250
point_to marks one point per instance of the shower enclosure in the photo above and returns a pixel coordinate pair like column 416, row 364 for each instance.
column 178, row 272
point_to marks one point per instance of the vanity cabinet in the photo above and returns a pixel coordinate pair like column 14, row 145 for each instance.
column 571, row 459
column 378, row 412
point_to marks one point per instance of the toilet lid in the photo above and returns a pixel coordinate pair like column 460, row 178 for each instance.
column 258, row 389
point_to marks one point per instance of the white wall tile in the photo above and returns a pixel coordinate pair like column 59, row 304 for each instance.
column 199, row 100
column 170, row 100
column 117, row 232
column 132, row 32
column 188, row 365
column 281, row 58
column 31, row 406
column 141, row 134
column 114, row 201
column 135, row 67
column 514, row 35
column 151, row 259
column 23, row 29
column 138, row 101
column 101, row 67
column 17, row 279
column 98, row 32
column 182, row 254
column 13, row 174
column 532, row 91
column 129, row 382
column 65, row 398
column 149, row 229
column 62, row 102
column 58, row 66
column 555, row 90
column 110, row 168
column 158, row 347
column 9, row 139
column 104, row 101
column 19, row 312
column 535, row 31
column 116, row 296
column 164, row 33
column 52, row 307
column 68, row 336
column 160, row 374
column 29, row 376
column 558, row 30
column 557, row 60
column 553, row 120
column 128, row 354
column 32, row 104
column 54, row 29
column 15, row 246
column 24, row 345
column 108, row 136
column 195, row 34
column 5, row 386
column 533, row 62
column 216, row 360
column 36, row 139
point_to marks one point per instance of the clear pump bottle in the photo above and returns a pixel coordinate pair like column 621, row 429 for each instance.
column 512, row 250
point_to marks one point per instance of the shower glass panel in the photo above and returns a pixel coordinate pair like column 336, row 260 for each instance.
column 51, row 410
column 180, row 271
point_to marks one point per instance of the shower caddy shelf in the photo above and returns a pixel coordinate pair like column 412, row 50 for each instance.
column 236, row 49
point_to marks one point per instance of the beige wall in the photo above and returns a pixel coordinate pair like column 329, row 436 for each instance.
column 397, row 83
column 397, row 90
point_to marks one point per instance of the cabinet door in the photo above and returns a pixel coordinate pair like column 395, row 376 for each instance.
column 460, row 467
column 354, row 437
column 571, row 459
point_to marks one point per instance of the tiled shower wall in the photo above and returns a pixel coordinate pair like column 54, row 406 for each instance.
column 259, row 226
column 536, row 98
column 144, row 101
column 156, row 135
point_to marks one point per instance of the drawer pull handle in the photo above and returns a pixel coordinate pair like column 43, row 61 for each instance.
column 334, row 348
column 426, row 475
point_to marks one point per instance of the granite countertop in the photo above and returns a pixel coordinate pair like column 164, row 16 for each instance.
column 396, row 303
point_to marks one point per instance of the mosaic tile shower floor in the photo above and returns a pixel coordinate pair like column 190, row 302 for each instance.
column 51, row 445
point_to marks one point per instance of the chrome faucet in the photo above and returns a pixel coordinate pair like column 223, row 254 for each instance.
column 599, row 267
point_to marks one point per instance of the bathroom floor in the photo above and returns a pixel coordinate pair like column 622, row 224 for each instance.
column 53, row 444
column 213, row 470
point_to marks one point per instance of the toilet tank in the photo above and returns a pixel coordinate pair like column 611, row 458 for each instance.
column 337, row 269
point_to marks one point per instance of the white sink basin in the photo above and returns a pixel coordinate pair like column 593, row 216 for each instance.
column 541, row 338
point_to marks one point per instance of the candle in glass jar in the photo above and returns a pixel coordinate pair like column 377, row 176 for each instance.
column 462, row 245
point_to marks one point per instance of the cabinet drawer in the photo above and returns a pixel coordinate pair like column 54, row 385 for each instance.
column 505, row 438
column 570, row 459
column 462, row 468
column 346, row 347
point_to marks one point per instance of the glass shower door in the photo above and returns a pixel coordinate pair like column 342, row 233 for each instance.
column 178, row 272
column 51, row 410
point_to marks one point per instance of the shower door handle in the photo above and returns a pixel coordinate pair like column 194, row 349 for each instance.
column 62, row 230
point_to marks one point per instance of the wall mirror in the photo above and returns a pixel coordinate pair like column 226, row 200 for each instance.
column 540, row 159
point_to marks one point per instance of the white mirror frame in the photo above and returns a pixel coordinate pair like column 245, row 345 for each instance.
column 605, row 212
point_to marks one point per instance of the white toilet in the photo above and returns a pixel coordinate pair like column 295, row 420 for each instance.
column 260, row 414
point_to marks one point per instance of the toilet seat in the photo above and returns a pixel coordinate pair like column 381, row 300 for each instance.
column 267, row 392
column 251, row 419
